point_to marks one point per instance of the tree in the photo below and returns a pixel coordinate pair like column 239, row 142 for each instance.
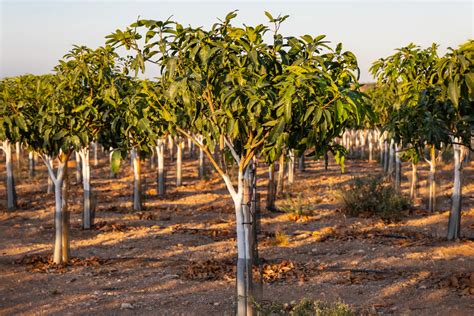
column 456, row 81
column 86, row 77
column 416, row 119
column 12, row 124
column 246, row 98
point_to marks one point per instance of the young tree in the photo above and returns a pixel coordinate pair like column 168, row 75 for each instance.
column 86, row 77
column 12, row 124
column 416, row 118
column 456, row 81
column 246, row 98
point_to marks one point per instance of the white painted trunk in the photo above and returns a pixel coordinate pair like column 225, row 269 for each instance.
column 171, row 147
column 202, row 168
column 11, row 190
column 291, row 167
column 78, row 167
column 31, row 164
column 96, row 160
column 61, row 244
column 281, row 174
column 398, row 168
column 179, row 163
column 88, row 211
column 370, row 139
column 137, row 183
column 414, row 181
column 160, row 153
column 454, row 224
column 301, row 163
column 18, row 156
column 432, row 182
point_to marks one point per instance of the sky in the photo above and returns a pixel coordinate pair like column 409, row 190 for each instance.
column 36, row 34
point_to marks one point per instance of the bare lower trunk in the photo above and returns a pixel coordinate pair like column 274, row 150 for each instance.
column 370, row 140
column 326, row 161
column 88, row 211
column 137, row 183
column 245, row 295
column 398, row 168
column 281, row 174
column 179, row 163
column 414, row 181
column 18, row 156
column 391, row 159
column 271, row 189
column 65, row 243
column 171, row 147
column 190, row 148
column 202, row 167
column 78, row 167
column 31, row 164
column 432, row 182
column 96, row 161
column 291, row 168
column 50, row 188
column 454, row 224
column 61, row 214
column 11, row 190
column 386, row 156
column 160, row 153
column 301, row 163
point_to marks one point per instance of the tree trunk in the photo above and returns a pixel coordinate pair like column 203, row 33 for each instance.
column 137, row 183
column 191, row 148
column 398, row 168
column 61, row 215
column 18, row 156
column 301, row 163
column 291, row 168
column 381, row 150
column 202, row 167
column 171, row 147
column 432, row 182
column 326, row 161
column 96, row 161
column 31, row 164
column 370, row 139
column 281, row 174
column 78, row 168
column 50, row 188
column 414, row 180
column 65, row 243
column 386, row 156
column 88, row 212
column 271, row 189
column 112, row 173
column 11, row 190
column 244, row 247
column 160, row 152
column 179, row 163
column 454, row 224
column 391, row 159
column 152, row 159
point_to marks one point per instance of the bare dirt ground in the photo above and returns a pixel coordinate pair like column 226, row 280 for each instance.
column 177, row 257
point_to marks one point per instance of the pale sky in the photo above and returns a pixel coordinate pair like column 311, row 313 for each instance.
column 36, row 34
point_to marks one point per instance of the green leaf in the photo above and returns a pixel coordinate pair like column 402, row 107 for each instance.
column 453, row 93
column 269, row 16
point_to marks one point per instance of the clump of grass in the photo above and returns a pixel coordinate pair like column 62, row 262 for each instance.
column 373, row 196
column 295, row 208
column 281, row 239
column 305, row 307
